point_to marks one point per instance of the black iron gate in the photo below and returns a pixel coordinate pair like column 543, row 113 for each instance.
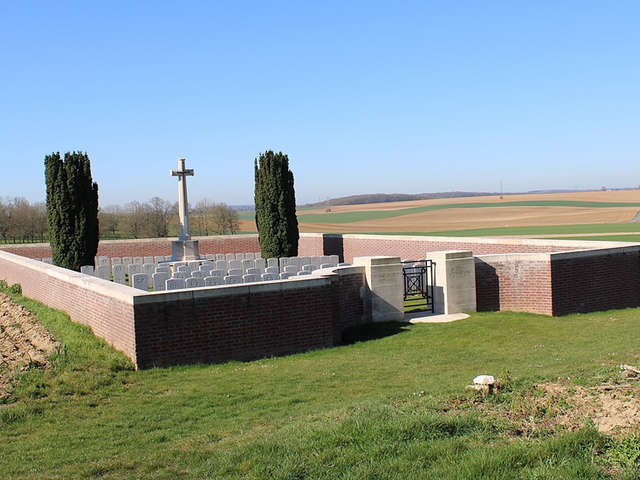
column 419, row 279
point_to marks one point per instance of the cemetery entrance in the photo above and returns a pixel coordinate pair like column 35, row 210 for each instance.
column 418, row 278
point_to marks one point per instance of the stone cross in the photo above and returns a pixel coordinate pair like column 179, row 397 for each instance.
column 182, row 173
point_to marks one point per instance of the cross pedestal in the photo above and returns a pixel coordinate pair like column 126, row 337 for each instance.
column 184, row 248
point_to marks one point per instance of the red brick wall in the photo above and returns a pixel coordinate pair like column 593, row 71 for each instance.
column 148, row 246
column 245, row 323
column 415, row 247
column 109, row 317
column 592, row 281
column 514, row 283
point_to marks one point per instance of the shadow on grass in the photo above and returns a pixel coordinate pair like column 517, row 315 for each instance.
column 372, row 331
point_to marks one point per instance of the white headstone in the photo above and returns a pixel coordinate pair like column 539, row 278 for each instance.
column 272, row 262
column 159, row 281
column 236, row 272
column 272, row 270
column 149, row 269
column 307, row 268
column 193, row 282
column 260, row 264
column 138, row 260
column 87, row 269
column 246, row 264
column 158, row 259
column 218, row 273
column 206, row 268
column 141, row 281
column 268, row 277
column 126, row 261
column 163, row 268
column 174, row 284
column 213, row 281
column 233, row 279
column 253, row 271
column 334, row 259
column 147, row 260
column 199, row 274
column 134, row 268
column 210, row 256
column 291, row 269
column 181, row 275
column 104, row 272
column 229, row 257
column 221, row 265
column 250, row 278
column 284, row 275
column 240, row 256
column 116, row 260
column 119, row 273
column 235, row 265
column 220, row 256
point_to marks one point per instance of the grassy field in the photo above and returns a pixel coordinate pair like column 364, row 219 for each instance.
column 526, row 214
column 573, row 230
column 390, row 405
column 368, row 215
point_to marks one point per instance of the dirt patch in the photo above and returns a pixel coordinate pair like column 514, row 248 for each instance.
column 614, row 408
column 24, row 342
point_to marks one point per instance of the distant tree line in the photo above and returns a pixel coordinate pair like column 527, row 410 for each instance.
column 21, row 221
column 24, row 222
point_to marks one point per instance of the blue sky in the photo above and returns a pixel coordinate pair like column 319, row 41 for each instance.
column 364, row 97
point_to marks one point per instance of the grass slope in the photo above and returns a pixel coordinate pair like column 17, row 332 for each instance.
column 372, row 409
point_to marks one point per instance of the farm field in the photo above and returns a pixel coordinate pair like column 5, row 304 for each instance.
column 338, row 412
column 528, row 215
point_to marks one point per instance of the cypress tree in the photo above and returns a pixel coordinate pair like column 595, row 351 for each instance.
column 275, row 202
column 72, row 209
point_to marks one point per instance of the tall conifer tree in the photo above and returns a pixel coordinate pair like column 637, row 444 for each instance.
column 72, row 209
column 275, row 201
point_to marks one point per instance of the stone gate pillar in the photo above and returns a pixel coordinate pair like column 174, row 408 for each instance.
column 384, row 299
column 455, row 283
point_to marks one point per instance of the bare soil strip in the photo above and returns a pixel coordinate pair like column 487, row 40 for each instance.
column 24, row 343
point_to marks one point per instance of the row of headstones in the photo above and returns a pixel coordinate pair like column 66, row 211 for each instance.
column 201, row 273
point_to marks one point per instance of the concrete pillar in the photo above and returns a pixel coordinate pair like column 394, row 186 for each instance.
column 455, row 288
column 384, row 299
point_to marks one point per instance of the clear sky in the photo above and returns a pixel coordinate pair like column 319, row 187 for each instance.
column 364, row 97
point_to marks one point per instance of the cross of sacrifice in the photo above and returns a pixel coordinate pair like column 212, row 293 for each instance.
column 182, row 173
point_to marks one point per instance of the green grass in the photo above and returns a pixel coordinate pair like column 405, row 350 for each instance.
column 358, row 216
column 530, row 230
column 371, row 409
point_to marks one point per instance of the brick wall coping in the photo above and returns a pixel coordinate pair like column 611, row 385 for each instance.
column 319, row 278
column 578, row 244
column 627, row 248
column 516, row 257
column 94, row 284
column 544, row 257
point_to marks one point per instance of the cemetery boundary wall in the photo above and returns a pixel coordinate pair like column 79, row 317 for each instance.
column 543, row 276
column 214, row 324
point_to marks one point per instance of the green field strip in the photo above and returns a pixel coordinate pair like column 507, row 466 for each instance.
column 530, row 230
column 359, row 216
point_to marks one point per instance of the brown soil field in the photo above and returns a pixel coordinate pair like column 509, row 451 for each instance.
column 24, row 343
column 607, row 196
column 469, row 218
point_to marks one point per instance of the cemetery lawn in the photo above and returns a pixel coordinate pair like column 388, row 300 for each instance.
column 390, row 405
